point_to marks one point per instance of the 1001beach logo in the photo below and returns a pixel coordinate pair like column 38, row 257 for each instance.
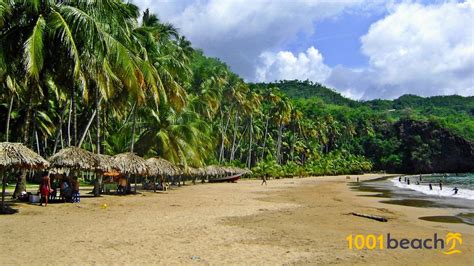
column 449, row 245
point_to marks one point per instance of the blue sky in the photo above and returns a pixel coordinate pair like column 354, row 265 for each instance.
column 338, row 39
column 364, row 49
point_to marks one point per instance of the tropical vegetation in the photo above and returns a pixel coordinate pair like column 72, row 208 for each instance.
column 106, row 77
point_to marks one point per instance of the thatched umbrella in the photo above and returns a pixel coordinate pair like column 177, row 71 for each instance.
column 246, row 171
column 129, row 163
column 214, row 170
column 75, row 159
column 16, row 155
column 230, row 170
column 72, row 159
column 160, row 166
column 105, row 163
column 196, row 171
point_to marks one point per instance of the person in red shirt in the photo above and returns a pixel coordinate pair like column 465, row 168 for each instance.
column 45, row 189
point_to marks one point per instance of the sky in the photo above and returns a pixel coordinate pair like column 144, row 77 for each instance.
column 364, row 49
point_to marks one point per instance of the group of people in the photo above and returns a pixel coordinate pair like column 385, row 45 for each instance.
column 407, row 180
column 68, row 190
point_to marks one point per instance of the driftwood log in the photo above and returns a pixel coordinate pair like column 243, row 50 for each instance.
column 368, row 216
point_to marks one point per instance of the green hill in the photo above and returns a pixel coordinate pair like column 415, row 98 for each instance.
column 453, row 112
column 307, row 89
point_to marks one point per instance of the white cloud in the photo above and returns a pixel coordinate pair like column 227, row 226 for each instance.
column 286, row 65
column 424, row 49
column 417, row 49
column 420, row 49
column 239, row 31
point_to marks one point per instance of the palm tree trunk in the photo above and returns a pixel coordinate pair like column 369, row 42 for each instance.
column 86, row 130
column 249, row 157
column 94, row 115
column 21, row 181
column 26, row 130
column 37, row 142
column 133, row 130
column 91, row 142
column 98, row 177
column 69, row 126
column 293, row 142
column 60, row 131
column 240, row 141
column 103, row 132
column 221, row 153
column 97, row 121
column 234, row 138
column 265, row 138
column 62, row 138
column 4, row 183
column 280, row 133
column 74, row 116
column 8, row 118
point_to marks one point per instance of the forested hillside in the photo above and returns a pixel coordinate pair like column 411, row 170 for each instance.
column 410, row 134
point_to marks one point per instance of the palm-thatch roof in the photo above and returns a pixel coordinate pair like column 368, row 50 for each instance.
column 238, row 170
column 16, row 155
column 196, row 171
column 130, row 164
column 246, row 171
column 74, row 158
column 213, row 170
column 105, row 163
column 160, row 166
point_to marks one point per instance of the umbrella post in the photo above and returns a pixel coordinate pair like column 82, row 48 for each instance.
column 135, row 183
column 4, row 183
column 154, row 183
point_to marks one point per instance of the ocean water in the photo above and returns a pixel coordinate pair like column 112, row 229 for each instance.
column 464, row 182
column 391, row 191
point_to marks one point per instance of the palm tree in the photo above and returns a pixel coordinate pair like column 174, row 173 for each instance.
column 98, row 56
column 282, row 117
column 180, row 137
column 251, row 108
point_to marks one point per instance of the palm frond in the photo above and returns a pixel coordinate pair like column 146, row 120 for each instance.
column 59, row 25
column 33, row 49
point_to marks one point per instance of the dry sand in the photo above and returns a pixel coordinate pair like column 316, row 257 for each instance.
column 302, row 221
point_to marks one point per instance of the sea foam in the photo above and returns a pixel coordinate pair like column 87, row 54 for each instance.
column 447, row 191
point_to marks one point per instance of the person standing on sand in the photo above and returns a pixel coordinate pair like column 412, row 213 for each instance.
column 400, row 179
column 264, row 180
column 408, row 181
column 76, row 196
column 431, row 187
column 45, row 189
column 440, row 185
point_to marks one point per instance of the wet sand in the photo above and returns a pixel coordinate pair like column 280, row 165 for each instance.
column 289, row 221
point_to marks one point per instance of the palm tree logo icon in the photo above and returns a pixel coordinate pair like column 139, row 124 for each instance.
column 453, row 239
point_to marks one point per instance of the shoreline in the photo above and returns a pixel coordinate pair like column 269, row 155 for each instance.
column 288, row 221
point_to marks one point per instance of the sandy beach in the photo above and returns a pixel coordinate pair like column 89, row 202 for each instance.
column 289, row 221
